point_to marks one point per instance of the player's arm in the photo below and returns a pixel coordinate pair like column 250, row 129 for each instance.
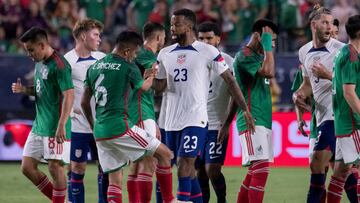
column 300, row 96
column 351, row 97
column 238, row 97
column 68, row 100
column 320, row 71
column 267, row 69
column 19, row 88
column 224, row 129
column 86, row 107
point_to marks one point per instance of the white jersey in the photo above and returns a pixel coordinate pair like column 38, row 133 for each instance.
column 161, row 120
column 219, row 96
column 321, row 88
column 187, row 71
column 79, row 68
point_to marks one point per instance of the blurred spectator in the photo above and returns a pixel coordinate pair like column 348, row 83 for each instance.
column 117, row 18
column 138, row 13
column 160, row 13
column 4, row 43
column 342, row 10
column 96, row 9
column 259, row 8
column 210, row 11
column 10, row 16
column 33, row 17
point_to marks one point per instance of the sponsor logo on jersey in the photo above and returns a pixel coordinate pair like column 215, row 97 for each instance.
column 189, row 150
column 78, row 153
column 181, row 58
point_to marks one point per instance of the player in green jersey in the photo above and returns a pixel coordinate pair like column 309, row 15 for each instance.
column 54, row 97
column 254, row 66
column 118, row 140
column 142, row 113
column 346, row 106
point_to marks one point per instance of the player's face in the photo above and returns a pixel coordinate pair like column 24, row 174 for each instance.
column 92, row 39
column 179, row 27
column 161, row 40
column 131, row 53
column 209, row 38
column 35, row 50
column 323, row 28
column 335, row 32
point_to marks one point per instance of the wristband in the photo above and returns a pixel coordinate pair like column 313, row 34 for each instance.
column 266, row 41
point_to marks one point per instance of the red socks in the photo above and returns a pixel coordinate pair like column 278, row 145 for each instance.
column 164, row 178
column 335, row 189
column 114, row 194
column 144, row 181
column 59, row 195
column 244, row 189
column 45, row 186
column 132, row 188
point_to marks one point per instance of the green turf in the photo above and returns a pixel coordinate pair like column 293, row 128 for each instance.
column 285, row 185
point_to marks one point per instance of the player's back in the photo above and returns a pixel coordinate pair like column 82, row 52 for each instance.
column 187, row 70
column 321, row 88
column 109, row 80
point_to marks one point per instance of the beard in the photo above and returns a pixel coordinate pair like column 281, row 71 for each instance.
column 323, row 36
column 176, row 38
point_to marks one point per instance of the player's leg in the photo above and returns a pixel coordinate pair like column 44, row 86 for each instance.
column 78, row 156
column 323, row 152
column 351, row 184
column 347, row 153
column 33, row 152
column 103, row 178
column 158, row 191
column 257, row 153
column 201, row 171
column 214, row 160
column 114, row 194
column 191, row 143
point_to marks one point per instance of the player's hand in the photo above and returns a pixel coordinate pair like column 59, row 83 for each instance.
column 250, row 125
column 17, row 87
column 301, row 124
column 320, row 71
column 223, row 133
column 299, row 101
column 60, row 134
column 266, row 39
column 158, row 133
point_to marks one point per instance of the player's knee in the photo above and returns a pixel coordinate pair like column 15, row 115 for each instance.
column 27, row 168
column 163, row 153
column 213, row 172
column 78, row 168
column 55, row 168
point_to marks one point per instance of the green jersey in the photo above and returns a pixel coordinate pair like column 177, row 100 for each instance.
column 255, row 88
column 52, row 77
column 295, row 86
column 346, row 71
column 141, row 104
column 110, row 79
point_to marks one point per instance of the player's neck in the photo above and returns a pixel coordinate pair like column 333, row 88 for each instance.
column 317, row 43
column 189, row 40
column 356, row 44
column 49, row 52
column 152, row 46
column 81, row 51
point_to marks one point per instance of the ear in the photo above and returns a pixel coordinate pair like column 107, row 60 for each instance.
column 83, row 36
column 42, row 45
column 257, row 36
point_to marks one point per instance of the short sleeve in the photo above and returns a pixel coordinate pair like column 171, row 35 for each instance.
column 134, row 76
column 87, row 79
column 146, row 59
column 161, row 74
column 297, row 81
column 348, row 72
column 248, row 63
column 63, row 77
column 218, row 65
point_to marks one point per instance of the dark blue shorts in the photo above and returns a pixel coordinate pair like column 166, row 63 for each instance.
column 187, row 142
column 81, row 144
column 163, row 135
column 326, row 139
column 214, row 152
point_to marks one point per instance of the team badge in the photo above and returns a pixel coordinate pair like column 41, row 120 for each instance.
column 78, row 153
column 44, row 72
column 181, row 58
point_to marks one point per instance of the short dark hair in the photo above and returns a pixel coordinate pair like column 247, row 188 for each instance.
column 85, row 25
column 336, row 22
column 317, row 12
column 128, row 38
column 352, row 26
column 188, row 14
column 210, row 27
column 34, row 34
column 259, row 24
column 150, row 28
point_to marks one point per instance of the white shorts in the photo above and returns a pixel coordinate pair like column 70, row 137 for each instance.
column 348, row 148
column 131, row 146
column 149, row 125
column 257, row 146
column 45, row 148
column 312, row 142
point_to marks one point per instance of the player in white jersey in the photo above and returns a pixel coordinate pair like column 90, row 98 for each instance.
column 184, row 70
column 316, row 58
column 213, row 156
column 87, row 37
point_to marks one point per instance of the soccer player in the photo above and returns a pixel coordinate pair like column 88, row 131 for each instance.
column 254, row 66
column 346, row 106
column 54, row 95
column 184, row 70
column 87, row 40
column 317, row 59
column 213, row 156
column 118, row 141
column 142, row 113
column 335, row 30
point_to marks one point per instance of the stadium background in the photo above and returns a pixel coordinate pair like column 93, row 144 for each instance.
column 235, row 18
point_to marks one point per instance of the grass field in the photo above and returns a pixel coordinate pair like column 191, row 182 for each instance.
column 285, row 185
